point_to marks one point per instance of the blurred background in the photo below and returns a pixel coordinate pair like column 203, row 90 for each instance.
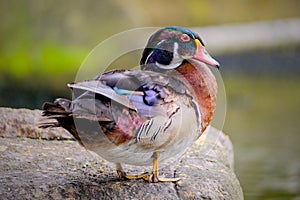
column 43, row 43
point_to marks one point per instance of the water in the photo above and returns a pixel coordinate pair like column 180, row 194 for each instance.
column 263, row 121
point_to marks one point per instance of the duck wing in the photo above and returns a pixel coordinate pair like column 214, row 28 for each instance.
column 141, row 91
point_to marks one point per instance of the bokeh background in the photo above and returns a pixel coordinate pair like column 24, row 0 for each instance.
column 43, row 43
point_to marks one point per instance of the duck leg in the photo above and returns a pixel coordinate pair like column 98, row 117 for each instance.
column 153, row 178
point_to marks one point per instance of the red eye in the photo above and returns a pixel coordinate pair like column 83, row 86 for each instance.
column 185, row 38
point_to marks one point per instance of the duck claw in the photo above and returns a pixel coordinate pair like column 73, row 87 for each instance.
column 153, row 178
column 145, row 176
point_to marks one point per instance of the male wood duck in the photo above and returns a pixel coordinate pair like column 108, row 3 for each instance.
column 146, row 116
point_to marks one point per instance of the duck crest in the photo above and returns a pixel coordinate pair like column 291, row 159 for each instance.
column 203, row 86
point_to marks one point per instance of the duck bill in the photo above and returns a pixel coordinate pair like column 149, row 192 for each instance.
column 203, row 56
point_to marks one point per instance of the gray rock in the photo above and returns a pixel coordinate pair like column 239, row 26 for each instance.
column 33, row 165
column 24, row 123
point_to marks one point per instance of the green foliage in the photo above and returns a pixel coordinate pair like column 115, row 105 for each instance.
column 46, row 62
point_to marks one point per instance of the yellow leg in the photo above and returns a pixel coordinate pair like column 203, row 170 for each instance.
column 123, row 175
column 153, row 178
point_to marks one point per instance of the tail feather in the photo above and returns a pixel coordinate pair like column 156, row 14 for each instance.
column 55, row 111
column 59, row 114
column 49, row 124
column 60, row 107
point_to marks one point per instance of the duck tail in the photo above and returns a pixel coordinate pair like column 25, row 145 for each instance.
column 61, row 108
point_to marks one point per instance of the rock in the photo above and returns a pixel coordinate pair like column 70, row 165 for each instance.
column 33, row 165
column 24, row 123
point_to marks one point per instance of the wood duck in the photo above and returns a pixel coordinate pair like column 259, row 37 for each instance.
column 146, row 116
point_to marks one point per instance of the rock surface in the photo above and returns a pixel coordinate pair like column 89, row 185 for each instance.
column 49, row 164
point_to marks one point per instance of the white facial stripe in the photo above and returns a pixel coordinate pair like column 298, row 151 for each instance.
column 148, row 57
column 176, row 61
column 153, row 51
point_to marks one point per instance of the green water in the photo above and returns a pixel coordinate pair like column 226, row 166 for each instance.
column 263, row 121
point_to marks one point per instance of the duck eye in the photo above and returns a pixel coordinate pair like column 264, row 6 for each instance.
column 185, row 38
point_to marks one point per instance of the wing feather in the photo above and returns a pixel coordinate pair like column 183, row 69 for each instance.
column 98, row 87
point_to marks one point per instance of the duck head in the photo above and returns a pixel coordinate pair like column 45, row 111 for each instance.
column 169, row 47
